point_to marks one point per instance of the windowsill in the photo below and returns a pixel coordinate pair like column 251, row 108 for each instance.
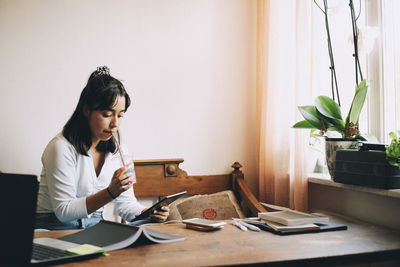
column 322, row 179
column 373, row 205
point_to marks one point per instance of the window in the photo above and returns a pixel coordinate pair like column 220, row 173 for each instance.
column 340, row 25
column 387, row 72
column 379, row 23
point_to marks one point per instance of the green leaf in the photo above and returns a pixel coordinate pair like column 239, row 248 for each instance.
column 311, row 115
column 359, row 137
column 393, row 162
column 393, row 150
column 358, row 103
column 337, row 123
column 303, row 124
column 336, row 129
column 393, row 135
column 327, row 107
column 315, row 133
column 371, row 138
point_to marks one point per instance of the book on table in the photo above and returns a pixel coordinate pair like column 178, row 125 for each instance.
column 287, row 221
column 295, row 229
column 277, row 227
column 281, row 227
column 292, row 217
column 112, row 236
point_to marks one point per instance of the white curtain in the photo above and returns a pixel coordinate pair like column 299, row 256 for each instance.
column 285, row 63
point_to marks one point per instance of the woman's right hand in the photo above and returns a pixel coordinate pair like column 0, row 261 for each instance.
column 120, row 183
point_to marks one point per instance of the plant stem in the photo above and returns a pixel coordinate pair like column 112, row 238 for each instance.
column 355, row 41
column 332, row 66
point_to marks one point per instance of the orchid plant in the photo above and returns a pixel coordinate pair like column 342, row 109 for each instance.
column 326, row 114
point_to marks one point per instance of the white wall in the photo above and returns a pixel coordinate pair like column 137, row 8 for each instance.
column 189, row 66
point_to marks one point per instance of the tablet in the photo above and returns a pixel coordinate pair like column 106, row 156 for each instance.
column 158, row 205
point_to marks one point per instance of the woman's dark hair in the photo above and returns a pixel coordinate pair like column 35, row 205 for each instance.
column 100, row 93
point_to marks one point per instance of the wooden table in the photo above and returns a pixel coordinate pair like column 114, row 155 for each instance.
column 361, row 243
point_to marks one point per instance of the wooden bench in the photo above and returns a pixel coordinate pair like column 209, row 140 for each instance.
column 157, row 178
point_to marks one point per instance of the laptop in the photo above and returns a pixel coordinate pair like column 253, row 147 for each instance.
column 18, row 195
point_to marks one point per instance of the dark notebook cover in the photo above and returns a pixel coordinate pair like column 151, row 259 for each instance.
column 323, row 227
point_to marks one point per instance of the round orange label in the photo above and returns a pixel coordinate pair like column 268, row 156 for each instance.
column 209, row 214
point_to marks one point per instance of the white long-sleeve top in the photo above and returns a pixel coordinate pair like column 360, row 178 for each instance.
column 68, row 177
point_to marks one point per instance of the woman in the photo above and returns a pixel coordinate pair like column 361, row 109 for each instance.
column 81, row 166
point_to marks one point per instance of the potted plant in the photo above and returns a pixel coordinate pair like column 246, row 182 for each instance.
column 393, row 150
column 326, row 116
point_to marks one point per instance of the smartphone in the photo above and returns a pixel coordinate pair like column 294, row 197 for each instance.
column 204, row 223
column 158, row 205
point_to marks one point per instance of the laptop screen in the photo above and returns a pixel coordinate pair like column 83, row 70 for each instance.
column 18, row 197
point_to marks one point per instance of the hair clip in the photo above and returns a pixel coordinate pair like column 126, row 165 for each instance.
column 103, row 70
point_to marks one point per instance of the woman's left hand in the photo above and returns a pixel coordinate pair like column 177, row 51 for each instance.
column 160, row 215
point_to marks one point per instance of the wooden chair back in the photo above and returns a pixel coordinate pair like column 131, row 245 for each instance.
column 157, row 178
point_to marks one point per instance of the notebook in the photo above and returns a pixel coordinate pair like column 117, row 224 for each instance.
column 17, row 208
column 322, row 227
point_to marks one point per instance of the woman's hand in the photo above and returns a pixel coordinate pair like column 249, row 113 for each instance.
column 120, row 183
column 160, row 215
